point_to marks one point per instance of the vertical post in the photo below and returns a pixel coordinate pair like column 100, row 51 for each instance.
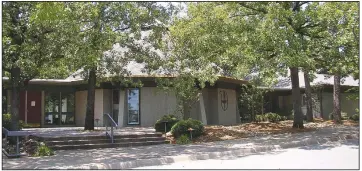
column 17, row 145
column 112, row 134
column 26, row 107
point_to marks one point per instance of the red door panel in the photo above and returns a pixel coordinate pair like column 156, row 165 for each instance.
column 34, row 106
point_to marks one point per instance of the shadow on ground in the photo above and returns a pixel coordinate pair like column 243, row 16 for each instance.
column 115, row 157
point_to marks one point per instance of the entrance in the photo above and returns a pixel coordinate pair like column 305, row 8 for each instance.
column 59, row 108
column 30, row 106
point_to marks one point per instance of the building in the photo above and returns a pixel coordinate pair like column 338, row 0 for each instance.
column 62, row 102
column 280, row 99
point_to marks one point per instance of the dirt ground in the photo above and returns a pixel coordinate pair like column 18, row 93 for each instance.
column 219, row 133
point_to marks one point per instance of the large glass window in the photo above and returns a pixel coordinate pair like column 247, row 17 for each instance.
column 133, row 106
column 59, row 108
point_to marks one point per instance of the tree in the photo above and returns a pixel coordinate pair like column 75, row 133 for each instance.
column 97, row 26
column 267, row 38
column 340, row 47
column 30, row 41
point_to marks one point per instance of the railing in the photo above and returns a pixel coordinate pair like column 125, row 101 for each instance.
column 112, row 124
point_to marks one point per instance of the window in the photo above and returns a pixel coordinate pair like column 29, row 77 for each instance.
column 59, row 108
column 133, row 106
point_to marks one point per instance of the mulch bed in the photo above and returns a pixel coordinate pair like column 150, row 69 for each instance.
column 220, row 133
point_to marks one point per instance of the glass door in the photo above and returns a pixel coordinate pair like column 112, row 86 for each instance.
column 59, row 108
column 52, row 103
column 133, row 106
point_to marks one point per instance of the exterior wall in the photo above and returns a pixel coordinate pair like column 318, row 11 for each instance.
column 211, row 107
column 107, row 102
column 195, row 112
column 80, row 109
column 227, row 117
column 98, row 106
column 81, row 105
column 347, row 106
column 153, row 105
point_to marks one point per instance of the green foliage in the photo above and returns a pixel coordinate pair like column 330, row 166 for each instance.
column 183, row 139
column 273, row 117
column 43, row 150
column 354, row 117
column 171, row 120
column 181, row 128
column 344, row 115
column 251, row 101
column 6, row 122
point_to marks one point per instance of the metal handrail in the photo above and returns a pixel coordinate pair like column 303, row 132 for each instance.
column 113, row 124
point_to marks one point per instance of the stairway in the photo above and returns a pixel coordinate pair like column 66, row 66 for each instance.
column 94, row 142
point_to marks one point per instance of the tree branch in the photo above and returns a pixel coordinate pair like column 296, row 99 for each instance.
column 252, row 8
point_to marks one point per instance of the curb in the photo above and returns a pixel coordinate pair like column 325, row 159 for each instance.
column 215, row 155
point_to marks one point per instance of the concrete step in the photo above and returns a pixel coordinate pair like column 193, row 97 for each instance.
column 102, row 141
column 95, row 137
column 105, row 145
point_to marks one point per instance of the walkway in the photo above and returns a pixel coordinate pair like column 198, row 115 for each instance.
column 79, row 131
column 122, row 158
column 326, row 156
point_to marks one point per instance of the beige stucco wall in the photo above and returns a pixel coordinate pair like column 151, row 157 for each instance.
column 80, row 108
column 227, row 117
column 155, row 104
column 107, row 101
column 347, row 106
column 98, row 106
column 81, row 105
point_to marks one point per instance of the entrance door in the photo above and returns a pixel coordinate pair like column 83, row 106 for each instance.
column 30, row 106
column 33, row 107
column 133, row 106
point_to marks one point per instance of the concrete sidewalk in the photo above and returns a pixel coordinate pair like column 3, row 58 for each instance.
column 125, row 158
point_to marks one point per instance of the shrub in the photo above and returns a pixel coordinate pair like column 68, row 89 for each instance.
column 344, row 116
column 283, row 118
column 183, row 139
column 181, row 128
column 273, row 117
column 171, row 119
column 7, row 121
column 354, row 117
column 259, row 118
column 43, row 150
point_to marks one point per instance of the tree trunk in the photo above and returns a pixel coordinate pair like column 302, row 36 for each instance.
column 298, row 116
column 89, row 117
column 308, row 93
column 337, row 99
column 15, row 100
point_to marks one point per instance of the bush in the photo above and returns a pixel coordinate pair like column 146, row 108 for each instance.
column 43, row 150
column 181, row 128
column 7, row 121
column 344, row 116
column 354, row 117
column 183, row 139
column 259, row 118
column 283, row 118
column 273, row 117
column 171, row 119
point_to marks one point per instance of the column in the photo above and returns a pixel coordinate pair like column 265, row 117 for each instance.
column 122, row 94
column 202, row 109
